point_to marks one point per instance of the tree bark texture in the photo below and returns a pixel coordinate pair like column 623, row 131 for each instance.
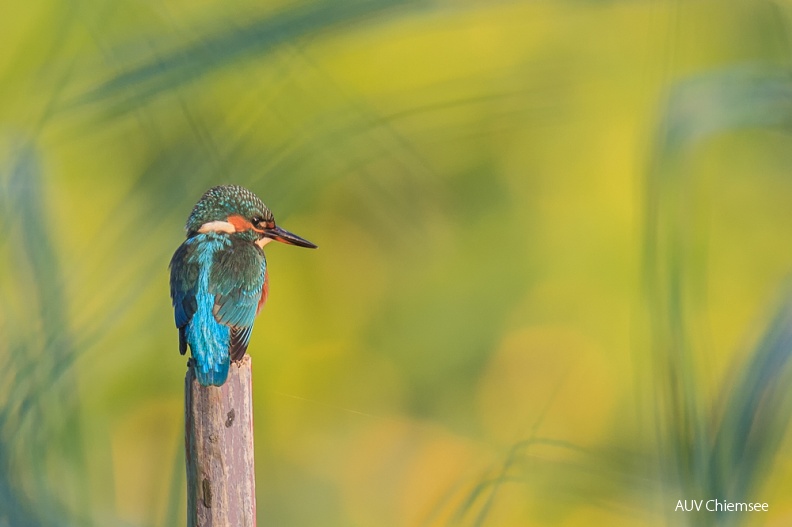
column 221, row 484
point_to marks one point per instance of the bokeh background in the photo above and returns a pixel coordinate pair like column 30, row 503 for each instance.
column 552, row 283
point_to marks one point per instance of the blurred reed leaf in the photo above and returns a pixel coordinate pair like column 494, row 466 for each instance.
column 225, row 49
column 722, row 101
column 38, row 362
column 756, row 414
column 698, row 457
column 484, row 493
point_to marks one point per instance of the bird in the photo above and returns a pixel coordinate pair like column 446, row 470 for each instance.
column 219, row 280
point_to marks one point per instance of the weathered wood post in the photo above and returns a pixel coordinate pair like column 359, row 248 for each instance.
column 221, row 484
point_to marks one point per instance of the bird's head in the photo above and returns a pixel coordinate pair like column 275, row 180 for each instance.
column 234, row 209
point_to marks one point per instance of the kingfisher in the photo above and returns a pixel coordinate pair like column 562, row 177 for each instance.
column 218, row 277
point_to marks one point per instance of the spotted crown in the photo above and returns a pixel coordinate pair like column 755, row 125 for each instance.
column 222, row 201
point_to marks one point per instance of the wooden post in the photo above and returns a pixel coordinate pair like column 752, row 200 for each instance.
column 221, row 484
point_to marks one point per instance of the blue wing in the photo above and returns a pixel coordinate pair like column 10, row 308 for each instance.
column 237, row 281
column 184, row 271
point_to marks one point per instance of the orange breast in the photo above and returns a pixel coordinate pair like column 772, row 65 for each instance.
column 264, row 293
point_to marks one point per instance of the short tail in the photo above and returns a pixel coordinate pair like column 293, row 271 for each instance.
column 212, row 374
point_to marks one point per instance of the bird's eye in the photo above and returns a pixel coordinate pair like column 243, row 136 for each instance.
column 256, row 221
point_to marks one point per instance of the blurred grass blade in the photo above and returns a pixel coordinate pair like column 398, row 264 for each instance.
column 694, row 458
column 720, row 101
column 756, row 414
column 43, row 404
column 224, row 49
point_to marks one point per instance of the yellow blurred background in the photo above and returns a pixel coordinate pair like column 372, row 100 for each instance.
column 551, row 288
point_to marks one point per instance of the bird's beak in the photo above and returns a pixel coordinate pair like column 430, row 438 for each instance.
column 284, row 236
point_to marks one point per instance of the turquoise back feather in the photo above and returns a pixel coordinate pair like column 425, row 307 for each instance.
column 208, row 339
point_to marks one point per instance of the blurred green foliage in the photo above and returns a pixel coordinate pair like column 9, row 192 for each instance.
column 551, row 287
